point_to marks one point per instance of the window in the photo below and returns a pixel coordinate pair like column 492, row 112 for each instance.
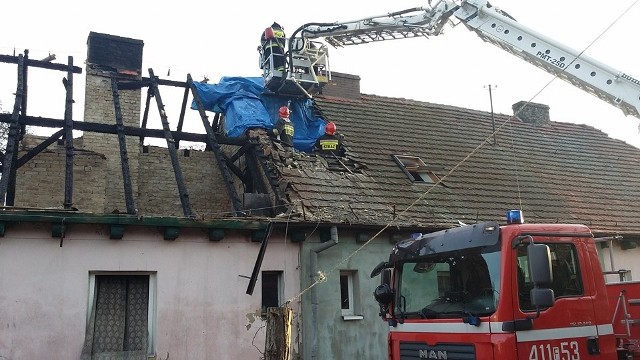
column 271, row 289
column 348, row 294
column 416, row 169
column 567, row 280
column 446, row 285
column 120, row 316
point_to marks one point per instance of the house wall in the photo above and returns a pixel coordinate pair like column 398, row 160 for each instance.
column 626, row 259
column 364, row 338
column 202, row 309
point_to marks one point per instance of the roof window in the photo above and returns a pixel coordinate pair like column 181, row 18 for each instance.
column 415, row 169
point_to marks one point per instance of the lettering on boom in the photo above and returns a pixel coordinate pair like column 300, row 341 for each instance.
column 630, row 78
column 555, row 62
column 432, row 354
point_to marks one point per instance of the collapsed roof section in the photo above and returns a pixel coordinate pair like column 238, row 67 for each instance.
column 115, row 131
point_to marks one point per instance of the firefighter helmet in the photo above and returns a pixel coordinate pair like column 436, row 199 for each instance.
column 330, row 129
column 283, row 112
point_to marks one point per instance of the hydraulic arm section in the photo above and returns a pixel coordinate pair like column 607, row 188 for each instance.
column 493, row 26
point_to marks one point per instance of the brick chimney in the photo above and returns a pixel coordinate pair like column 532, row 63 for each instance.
column 343, row 86
column 531, row 113
column 112, row 56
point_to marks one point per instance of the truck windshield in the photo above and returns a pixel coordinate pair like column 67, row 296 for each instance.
column 446, row 286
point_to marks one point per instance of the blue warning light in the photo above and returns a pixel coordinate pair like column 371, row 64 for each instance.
column 515, row 217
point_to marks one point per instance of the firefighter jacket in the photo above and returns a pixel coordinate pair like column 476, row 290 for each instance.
column 273, row 50
column 285, row 131
column 330, row 145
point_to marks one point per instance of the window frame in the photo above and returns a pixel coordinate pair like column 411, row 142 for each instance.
column 419, row 173
column 352, row 312
column 151, row 306
column 579, row 280
column 280, row 288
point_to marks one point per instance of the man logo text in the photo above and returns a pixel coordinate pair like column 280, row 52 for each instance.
column 432, row 354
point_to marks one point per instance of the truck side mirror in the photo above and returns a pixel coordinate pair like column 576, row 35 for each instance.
column 542, row 297
column 539, row 259
column 383, row 292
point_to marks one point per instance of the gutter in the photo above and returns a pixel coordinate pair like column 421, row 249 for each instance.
column 314, row 292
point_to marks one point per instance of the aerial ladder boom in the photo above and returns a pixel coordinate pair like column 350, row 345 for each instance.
column 494, row 26
column 491, row 25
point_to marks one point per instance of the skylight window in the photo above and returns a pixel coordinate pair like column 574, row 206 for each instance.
column 415, row 169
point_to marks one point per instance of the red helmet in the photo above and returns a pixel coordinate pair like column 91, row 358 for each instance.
column 283, row 112
column 330, row 129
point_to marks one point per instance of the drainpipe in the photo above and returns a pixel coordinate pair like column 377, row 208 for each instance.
column 314, row 292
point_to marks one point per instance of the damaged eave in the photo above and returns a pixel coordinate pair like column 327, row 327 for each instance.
column 68, row 217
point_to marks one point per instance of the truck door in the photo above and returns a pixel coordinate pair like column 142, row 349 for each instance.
column 567, row 330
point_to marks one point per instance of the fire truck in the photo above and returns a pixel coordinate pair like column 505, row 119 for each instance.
column 307, row 67
column 516, row 291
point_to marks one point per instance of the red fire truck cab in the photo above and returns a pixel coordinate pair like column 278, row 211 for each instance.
column 518, row 291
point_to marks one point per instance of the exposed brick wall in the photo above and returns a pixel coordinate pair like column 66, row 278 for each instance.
column 40, row 182
column 343, row 86
column 158, row 190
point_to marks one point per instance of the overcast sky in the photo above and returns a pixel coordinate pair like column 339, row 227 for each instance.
column 216, row 39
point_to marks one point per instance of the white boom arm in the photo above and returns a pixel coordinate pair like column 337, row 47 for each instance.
column 496, row 27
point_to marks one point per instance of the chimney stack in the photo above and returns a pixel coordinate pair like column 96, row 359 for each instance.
column 531, row 113
column 343, row 86
column 113, row 56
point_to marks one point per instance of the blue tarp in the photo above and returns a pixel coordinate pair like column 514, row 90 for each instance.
column 246, row 105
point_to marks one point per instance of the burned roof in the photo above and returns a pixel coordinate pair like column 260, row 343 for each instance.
column 555, row 172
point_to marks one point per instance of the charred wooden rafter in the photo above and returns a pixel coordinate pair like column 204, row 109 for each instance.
column 111, row 129
column 183, row 109
column 8, row 166
column 171, row 146
column 235, row 169
column 39, row 148
column 124, row 157
column 145, row 116
column 39, row 64
column 146, row 82
column 215, row 147
column 68, row 136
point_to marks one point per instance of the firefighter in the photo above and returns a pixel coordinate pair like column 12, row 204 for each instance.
column 330, row 143
column 283, row 130
column 273, row 43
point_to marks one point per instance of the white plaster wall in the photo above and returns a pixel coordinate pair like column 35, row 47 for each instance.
column 202, row 306
column 622, row 259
